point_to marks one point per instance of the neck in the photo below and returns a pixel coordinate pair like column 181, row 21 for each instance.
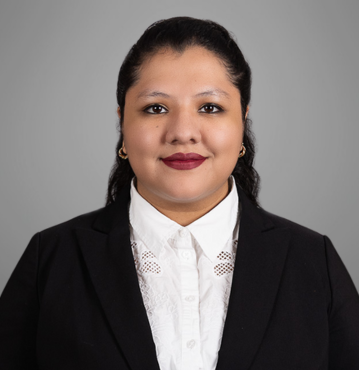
column 185, row 213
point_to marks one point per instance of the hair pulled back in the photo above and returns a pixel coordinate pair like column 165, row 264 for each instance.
column 178, row 33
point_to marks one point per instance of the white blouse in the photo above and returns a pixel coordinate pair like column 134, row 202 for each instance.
column 185, row 277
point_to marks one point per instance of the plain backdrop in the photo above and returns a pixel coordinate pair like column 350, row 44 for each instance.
column 58, row 72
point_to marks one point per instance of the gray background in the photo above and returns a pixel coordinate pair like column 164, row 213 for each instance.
column 58, row 72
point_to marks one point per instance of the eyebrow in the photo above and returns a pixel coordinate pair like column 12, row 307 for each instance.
column 153, row 93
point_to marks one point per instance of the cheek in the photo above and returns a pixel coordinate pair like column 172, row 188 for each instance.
column 141, row 142
column 227, row 142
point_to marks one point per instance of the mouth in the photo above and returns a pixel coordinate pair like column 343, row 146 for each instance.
column 184, row 157
column 182, row 161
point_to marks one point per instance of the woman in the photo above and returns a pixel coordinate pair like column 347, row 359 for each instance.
column 181, row 269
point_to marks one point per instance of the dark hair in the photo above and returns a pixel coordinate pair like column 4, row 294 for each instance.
column 177, row 34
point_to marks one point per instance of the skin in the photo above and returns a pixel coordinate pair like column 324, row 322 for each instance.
column 183, row 123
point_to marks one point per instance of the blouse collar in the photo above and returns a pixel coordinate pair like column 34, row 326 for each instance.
column 212, row 231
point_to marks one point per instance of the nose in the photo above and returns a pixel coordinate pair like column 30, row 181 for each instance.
column 183, row 128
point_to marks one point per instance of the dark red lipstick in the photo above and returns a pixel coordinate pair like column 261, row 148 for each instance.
column 182, row 161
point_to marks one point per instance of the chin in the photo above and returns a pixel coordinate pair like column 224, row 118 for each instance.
column 184, row 193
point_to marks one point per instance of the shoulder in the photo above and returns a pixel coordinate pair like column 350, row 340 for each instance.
column 305, row 243
column 297, row 230
column 64, row 231
column 306, row 247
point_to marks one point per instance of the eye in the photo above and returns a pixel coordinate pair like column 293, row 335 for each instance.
column 209, row 108
column 156, row 109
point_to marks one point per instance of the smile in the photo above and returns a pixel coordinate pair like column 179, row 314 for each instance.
column 183, row 164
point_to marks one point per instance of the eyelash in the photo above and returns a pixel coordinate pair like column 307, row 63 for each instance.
column 219, row 109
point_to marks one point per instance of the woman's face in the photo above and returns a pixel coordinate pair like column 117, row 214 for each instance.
column 182, row 104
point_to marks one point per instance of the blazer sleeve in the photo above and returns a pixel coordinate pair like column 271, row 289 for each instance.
column 19, row 310
column 343, row 314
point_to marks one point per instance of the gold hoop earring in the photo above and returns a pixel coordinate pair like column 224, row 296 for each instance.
column 122, row 154
column 242, row 152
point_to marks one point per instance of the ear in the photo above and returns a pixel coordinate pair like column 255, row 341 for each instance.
column 247, row 110
column 119, row 116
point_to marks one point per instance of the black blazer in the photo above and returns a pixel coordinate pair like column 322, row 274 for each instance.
column 73, row 300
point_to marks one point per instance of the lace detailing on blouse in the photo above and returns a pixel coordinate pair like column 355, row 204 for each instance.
column 226, row 266
column 186, row 316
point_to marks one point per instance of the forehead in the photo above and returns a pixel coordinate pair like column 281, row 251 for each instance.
column 196, row 68
column 193, row 53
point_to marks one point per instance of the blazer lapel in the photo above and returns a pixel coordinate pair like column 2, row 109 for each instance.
column 261, row 254
column 107, row 253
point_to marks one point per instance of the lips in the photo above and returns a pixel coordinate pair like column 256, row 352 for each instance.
column 183, row 157
column 182, row 161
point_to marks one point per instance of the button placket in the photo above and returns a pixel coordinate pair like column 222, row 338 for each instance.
column 189, row 292
column 183, row 233
column 190, row 298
